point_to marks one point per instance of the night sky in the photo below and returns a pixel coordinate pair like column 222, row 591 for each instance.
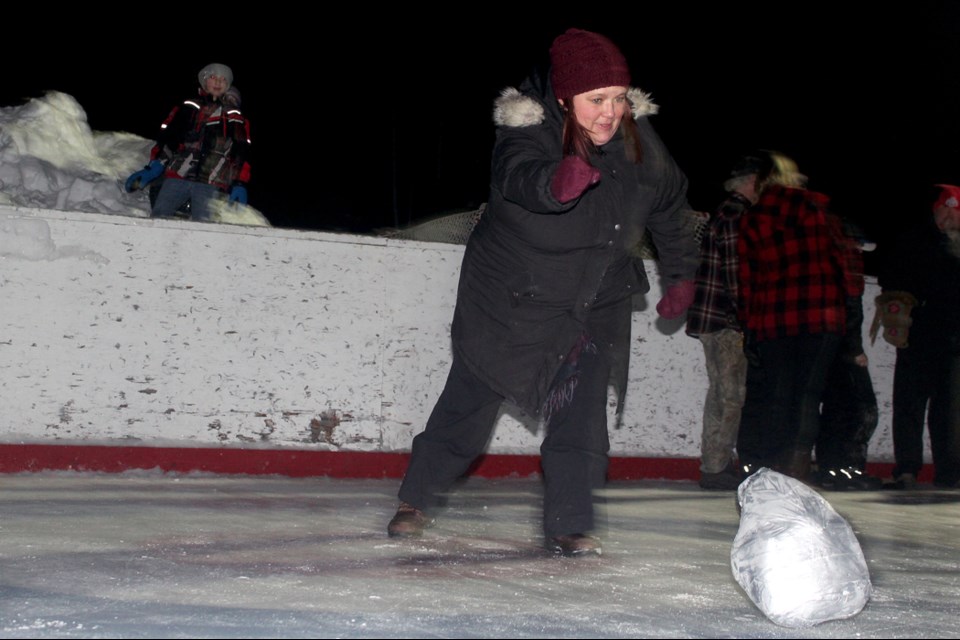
column 381, row 120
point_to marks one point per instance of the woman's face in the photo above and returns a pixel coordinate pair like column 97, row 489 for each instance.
column 599, row 112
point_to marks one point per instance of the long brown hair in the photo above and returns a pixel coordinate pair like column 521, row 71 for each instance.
column 576, row 140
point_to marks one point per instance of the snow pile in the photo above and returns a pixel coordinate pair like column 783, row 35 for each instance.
column 51, row 159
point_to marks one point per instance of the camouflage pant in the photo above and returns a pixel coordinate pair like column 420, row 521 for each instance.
column 727, row 375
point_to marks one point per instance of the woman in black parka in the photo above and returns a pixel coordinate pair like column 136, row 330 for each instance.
column 544, row 305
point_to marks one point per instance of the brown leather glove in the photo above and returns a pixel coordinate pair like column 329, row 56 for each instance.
column 893, row 313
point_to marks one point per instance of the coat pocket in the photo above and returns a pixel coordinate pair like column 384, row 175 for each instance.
column 641, row 283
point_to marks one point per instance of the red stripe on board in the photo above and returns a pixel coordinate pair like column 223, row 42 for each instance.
column 16, row 458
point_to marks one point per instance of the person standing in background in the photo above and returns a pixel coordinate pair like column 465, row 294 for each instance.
column 793, row 293
column 712, row 318
column 920, row 309
column 202, row 153
column 849, row 412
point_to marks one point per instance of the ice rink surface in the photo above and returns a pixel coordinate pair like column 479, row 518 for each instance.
column 153, row 555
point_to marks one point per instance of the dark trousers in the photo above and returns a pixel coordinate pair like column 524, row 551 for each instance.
column 848, row 416
column 781, row 412
column 573, row 453
column 926, row 387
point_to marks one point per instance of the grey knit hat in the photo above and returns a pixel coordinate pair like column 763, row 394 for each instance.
column 215, row 69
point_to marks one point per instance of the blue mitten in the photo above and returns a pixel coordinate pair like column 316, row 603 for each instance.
column 145, row 176
column 238, row 194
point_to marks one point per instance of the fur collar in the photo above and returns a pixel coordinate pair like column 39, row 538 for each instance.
column 513, row 109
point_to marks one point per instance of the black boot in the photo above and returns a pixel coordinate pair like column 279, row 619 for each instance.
column 797, row 465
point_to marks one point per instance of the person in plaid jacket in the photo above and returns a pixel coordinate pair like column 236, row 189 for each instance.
column 792, row 305
column 712, row 318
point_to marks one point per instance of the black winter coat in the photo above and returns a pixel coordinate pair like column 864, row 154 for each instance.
column 537, row 274
column 925, row 262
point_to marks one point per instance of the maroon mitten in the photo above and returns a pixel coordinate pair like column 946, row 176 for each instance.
column 676, row 299
column 572, row 178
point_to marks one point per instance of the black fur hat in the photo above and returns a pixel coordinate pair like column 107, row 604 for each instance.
column 759, row 162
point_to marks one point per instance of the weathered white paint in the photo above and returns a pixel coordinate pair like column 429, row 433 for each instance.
column 121, row 330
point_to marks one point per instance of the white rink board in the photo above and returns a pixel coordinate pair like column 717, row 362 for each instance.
column 123, row 331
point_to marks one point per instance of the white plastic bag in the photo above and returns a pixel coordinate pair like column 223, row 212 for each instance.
column 797, row 559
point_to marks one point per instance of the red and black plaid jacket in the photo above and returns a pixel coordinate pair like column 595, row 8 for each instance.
column 793, row 266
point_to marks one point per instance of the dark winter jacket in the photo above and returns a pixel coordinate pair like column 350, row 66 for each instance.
column 851, row 345
column 205, row 140
column 926, row 263
column 537, row 274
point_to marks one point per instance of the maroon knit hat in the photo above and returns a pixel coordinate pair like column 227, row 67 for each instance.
column 582, row 61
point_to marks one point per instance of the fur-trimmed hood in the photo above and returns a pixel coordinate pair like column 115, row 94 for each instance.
column 515, row 109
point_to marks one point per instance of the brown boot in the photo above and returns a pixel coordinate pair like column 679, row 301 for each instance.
column 575, row 544
column 408, row 522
